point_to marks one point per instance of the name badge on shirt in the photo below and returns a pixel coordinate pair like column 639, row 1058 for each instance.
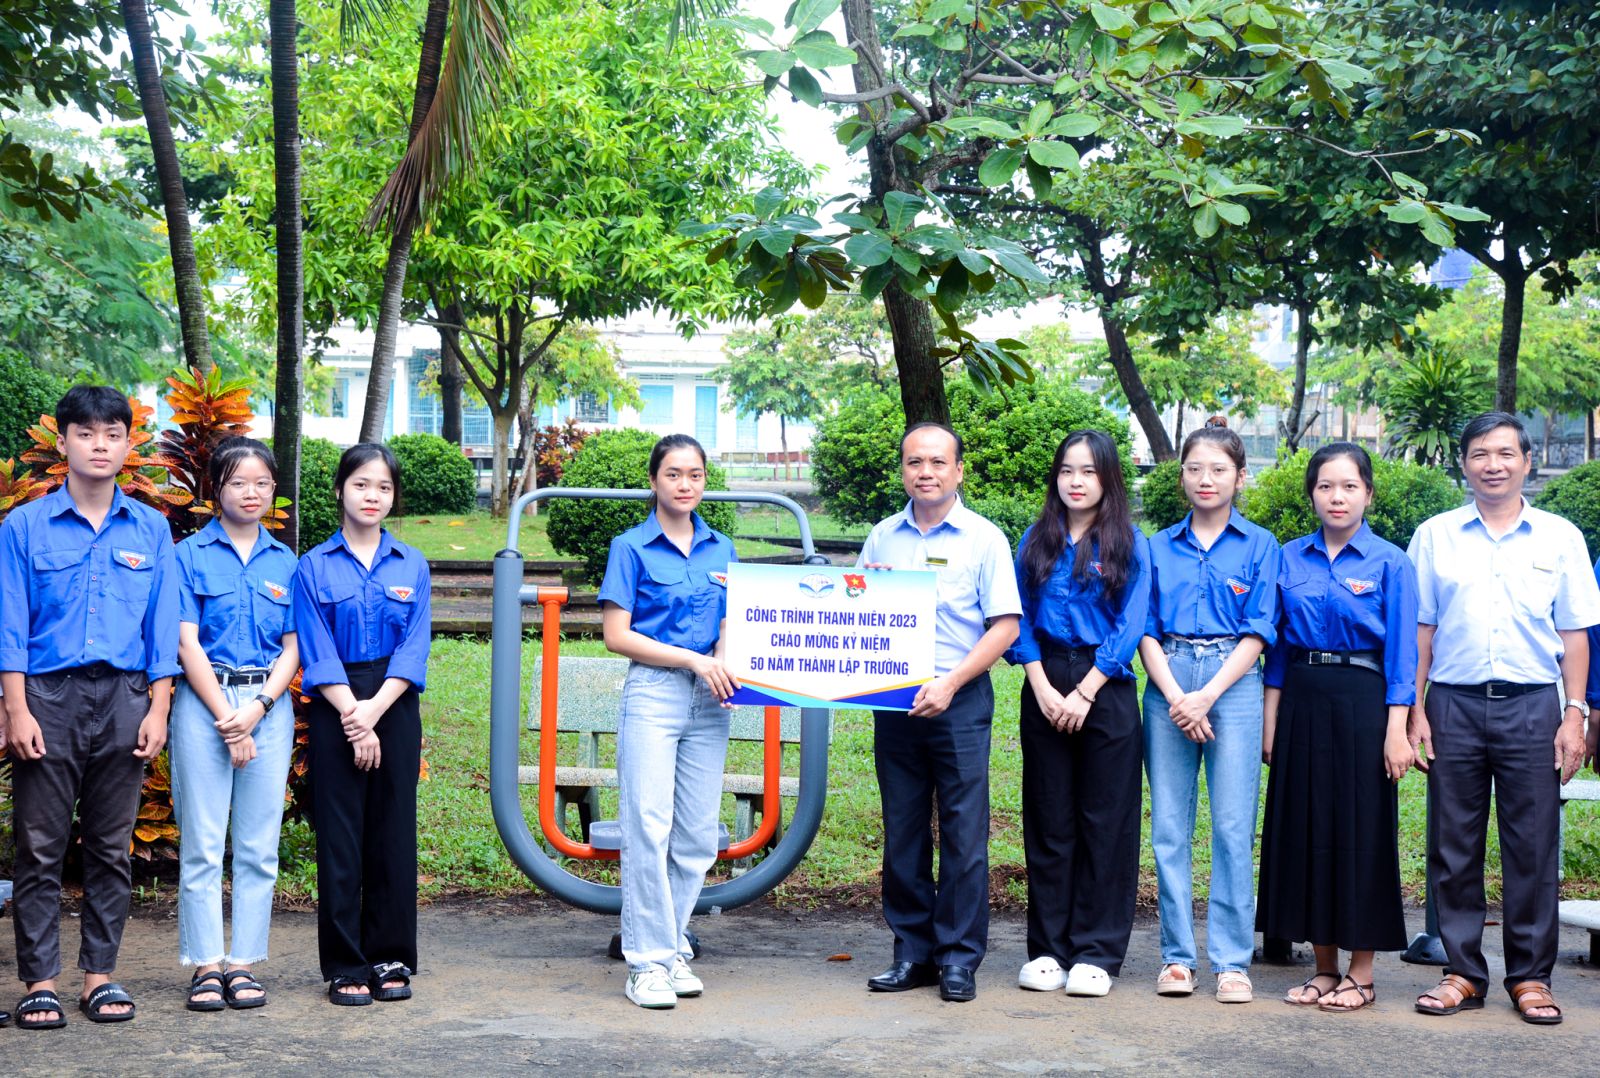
column 1096, row 567
column 277, row 591
column 719, row 578
column 936, row 563
column 1544, row 566
column 1358, row 587
column 131, row 558
column 404, row 594
column 1238, row 587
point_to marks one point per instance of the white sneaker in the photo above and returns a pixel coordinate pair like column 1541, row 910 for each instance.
column 683, row 980
column 1042, row 975
column 651, row 989
column 1086, row 980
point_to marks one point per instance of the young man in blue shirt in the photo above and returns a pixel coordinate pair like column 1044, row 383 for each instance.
column 88, row 650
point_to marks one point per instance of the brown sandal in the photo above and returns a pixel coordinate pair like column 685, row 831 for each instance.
column 1365, row 992
column 1527, row 995
column 1311, row 983
column 1455, row 993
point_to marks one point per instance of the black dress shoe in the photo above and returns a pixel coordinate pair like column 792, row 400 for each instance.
column 904, row 976
column 957, row 984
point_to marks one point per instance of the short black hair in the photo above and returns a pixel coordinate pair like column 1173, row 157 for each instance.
column 1480, row 425
column 363, row 453
column 960, row 448
column 84, row 405
column 1328, row 452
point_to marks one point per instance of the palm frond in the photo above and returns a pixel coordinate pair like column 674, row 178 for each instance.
column 471, row 80
column 689, row 15
column 359, row 17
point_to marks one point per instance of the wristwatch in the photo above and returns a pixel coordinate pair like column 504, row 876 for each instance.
column 265, row 701
column 1582, row 706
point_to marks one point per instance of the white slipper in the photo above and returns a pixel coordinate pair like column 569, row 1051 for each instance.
column 1086, row 980
column 1043, row 974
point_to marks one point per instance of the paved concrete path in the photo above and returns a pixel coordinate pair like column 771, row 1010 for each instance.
column 511, row 986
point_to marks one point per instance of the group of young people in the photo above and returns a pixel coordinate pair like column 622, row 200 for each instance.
column 1339, row 660
column 1486, row 619
column 100, row 612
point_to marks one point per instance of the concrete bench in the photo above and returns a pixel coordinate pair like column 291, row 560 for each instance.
column 1584, row 913
column 591, row 694
column 1576, row 790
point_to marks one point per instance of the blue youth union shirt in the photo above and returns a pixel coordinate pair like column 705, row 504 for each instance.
column 242, row 607
column 347, row 613
column 1364, row 600
column 675, row 599
column 74, row 596
column 1594, row 657
column 1078, row 613
column 1229, row 590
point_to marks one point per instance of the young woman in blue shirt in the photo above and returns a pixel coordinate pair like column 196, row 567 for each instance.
column 362, row 610
column 1340, row 680
column 1213, row 610
column 664, row 598
column 1084, row 575
column 232, row 729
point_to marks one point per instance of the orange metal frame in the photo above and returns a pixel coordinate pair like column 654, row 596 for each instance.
column 551, row 600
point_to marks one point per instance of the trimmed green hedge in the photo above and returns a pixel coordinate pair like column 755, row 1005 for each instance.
column 26, row 393
column 435, row 475
column 1404, row 495
column 616, row 460
column 1161, row 496
column 1576, row 496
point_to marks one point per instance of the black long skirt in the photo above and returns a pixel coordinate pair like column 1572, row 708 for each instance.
column 1330, row 860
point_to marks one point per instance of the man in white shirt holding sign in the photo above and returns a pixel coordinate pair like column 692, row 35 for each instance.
column 941, row 746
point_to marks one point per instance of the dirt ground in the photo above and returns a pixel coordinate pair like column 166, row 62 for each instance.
column 510, row 985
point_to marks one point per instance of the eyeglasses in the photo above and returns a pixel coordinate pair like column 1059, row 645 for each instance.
column 1216, row 471
column 260, row 486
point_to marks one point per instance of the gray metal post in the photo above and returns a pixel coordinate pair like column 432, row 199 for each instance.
column 505, row 732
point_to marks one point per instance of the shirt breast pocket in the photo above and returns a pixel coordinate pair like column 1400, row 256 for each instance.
column 1534, row 591
column 706, row 606
column 399, row 601
column 270, row 603
column 955, row 586
column 132, row 584
column 217, row 601
column 58, row 578
column 337, row 599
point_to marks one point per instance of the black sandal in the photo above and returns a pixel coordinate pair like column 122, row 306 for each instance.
column 390, row 971
column 348, row 999
column 242, row 980
column 1310, row 982
column 38, row 1003
column 206, row 984
column 107, row 995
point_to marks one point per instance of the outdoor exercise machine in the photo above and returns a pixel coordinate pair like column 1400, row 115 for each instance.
column 505, row 730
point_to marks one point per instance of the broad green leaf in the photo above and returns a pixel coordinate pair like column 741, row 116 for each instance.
column 1344, row 72
column 875, row 280
column 952, row 291
column 855, row 220
column 916, row 29
column 1073, row 125
column 998, row 168
column 768, row 201
column 745, row 22
column 976, row 264
column 1205, row 221
column 1406, row 212
column 1038, row 116
column 1215, row 126
column 1020, row 266
column 813, row 287
column 803, row 85
column 950, row 40
column 900, row 210
column 1054, row 154
column 774, row 239
column 867, row 249
column 797, row 222
column 818, row 49
column 1039, row 179
column 1462, row 213
column 806, row 15
column 908, row 260
column 1111, row 20
column 1437, row 230
column 1173, row 50
column 1161, row 13
column 1231, row 212
column 774, row 61
column 943, row 9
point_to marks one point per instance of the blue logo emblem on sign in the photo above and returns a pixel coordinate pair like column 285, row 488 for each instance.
column 816, row 584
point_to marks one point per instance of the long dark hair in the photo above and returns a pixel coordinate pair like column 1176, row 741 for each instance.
column 1112, row 530
column 352, row 459
column 659, row 452
column 1333, row 451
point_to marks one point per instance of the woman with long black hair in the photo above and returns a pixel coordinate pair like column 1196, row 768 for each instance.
column 1083, row 572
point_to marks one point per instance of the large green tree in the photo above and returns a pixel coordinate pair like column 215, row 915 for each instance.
column 1524, row 76
column 774, row 371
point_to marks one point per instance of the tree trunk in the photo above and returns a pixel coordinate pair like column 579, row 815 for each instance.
column 1588, row 436
column 1290, row 426
column 910, row 323
column 499, row 490
column 451, row 379
column 1139, row 402
column 1177, row 428
column 1549, row 435
column 1516, row 284
column 527, row 448
column 291, row 279
column 185, row 270
column 381, row 380
column 783, row 445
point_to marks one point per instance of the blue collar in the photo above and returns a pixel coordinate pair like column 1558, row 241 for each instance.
column 386, row 545
column 652, row 531
column 63, row 502
column 1236, row 521
column 213, row 532
column 957, row 518
column 1360, row 542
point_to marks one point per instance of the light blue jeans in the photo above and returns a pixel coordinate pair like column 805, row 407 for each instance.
column 672, row 742
column 1233, row 782
column 208, row 791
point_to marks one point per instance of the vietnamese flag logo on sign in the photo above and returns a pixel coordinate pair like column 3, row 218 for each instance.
column 855, row 584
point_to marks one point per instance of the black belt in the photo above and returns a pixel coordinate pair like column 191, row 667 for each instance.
column 228, row 678
column 1071, row 652
column 1366, row 660
column 91, row 671
column 1495, row 690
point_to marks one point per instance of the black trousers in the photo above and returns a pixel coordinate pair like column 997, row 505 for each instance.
column 1081, row 801
column 945, row 755
column 90, row 721
column 1507, row 745
column 366, row 824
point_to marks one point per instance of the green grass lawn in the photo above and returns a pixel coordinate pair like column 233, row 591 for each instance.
column 477, row 536
column 460, row 849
